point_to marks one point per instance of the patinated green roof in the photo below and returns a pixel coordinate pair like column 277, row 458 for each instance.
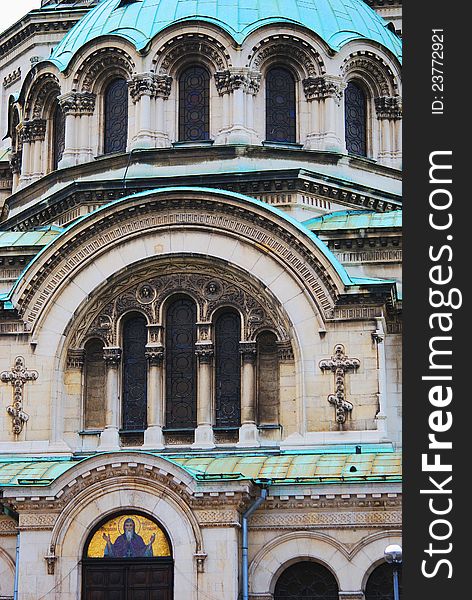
column 336, row 21
column 20, row 239
column 355, row 219
column 284, row 467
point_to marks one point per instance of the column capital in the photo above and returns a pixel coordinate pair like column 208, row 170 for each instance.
column 285, row 350
column 32, row 131
column 75, row 358
column 320, row 88
column 204, row 353
column 389, row 107
column 155, row 355
column 77, row 103
column 236, row 78
column 112, row 356
column 149, row 84
column 248, row 351
column 15, row 162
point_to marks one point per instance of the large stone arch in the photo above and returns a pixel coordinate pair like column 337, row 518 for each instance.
column 7, row 574
column 104, row 485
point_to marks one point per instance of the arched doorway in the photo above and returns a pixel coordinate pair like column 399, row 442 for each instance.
column 380, row 583
column 128, row 557
column 306, row 580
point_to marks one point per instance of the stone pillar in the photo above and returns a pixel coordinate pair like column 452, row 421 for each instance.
column 248, row 432
column 238, row 86
column 149, row 93
column 32, row 133
column 378, row 337
column 78, row 108
column 389, row 115
column 325, row 96
column 153, row 436
column 15, row 167
column 110, row 437
column 204, row 437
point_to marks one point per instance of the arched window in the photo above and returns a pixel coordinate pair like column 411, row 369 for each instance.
column 355, row 119
column 194, row 104
column 267, row 379
column 380, row 584
column 58, row 135
column 116, row 116
column 280, row 106
column 306, row 579
column 228, row 369
column 134, row 374
column 95, row 385
column 181, row 404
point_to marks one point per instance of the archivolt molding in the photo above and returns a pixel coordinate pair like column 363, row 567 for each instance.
column 146, row 290
column 371, row 67
column 191, row 44
column 103, row 63
column 168, row 209
column 44, row 87
column 287, row 46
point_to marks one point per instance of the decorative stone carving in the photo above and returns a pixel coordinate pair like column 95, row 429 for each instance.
column 389, row 107
column 75, row 358
column 285, row 351
column 236, row 78
column 155, row 355
column 188, row 44
column 149, row 84
column 295, row 48
column 38, row 521
column 248, row 351
column 112, row 356
column 46, row 86
column 51, row 559
column 15, row 162
column 200, row 558
column 32, row 131
column 18, row 376
column 204, row 353
column 108, row 61
column 370, row 65
column 320, row 88
column 146, row 293
column 340, row 364
column 326, row 519
column 12, row 78
column 78, row 103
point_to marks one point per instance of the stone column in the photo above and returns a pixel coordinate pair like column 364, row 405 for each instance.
column 15, row 166
column 389, row 114
column 238, row 86
column 78, row 108
column 110, row 437
column 325, row 96
column 153, row 436
column 378, row 337
column 248, row 432
column 149, row 93
column 32, row 133
column 204, row 437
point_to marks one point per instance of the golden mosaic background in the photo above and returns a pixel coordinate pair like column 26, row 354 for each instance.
column 144, row 527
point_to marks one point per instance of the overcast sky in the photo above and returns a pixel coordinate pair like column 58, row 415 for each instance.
column 12, row 10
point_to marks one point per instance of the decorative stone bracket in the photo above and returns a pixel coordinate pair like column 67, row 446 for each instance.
column 200, row 558
column 51, row 559
column 340, row 364
column 18, row 376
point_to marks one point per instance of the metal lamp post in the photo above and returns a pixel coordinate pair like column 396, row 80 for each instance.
column 393, row 555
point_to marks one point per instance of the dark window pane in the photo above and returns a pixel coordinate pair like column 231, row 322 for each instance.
column 59, row 135
column 95, row 392
column 267, row 379
column 134, row 374
column 380, row 583
column 306, row 581
column 228, row 370
column 181, row 405
column 194, row 104
column 355, row 109
column 280, row 106
column 116, row 116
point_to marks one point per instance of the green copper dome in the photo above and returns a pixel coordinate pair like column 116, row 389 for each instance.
column 335, row 21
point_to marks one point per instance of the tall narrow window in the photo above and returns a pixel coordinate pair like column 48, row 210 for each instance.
column 116, row 116
column 95, row 383
column 267, row 379
column 380, row 584
column 356, row 119
column 181, row 405
column 58, row 135
column 280, row 106
column 228, row 370
column 306, row 580
column 134, row 374
column 194, row 104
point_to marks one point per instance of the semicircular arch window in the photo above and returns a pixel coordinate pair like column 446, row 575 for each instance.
column 355, row 105
column 306, row 580
column 134, row 373
column 58, row 135
column 280, row 106
column 380, row 583
column 116, row 116
column 194, row 104
column 228, row 369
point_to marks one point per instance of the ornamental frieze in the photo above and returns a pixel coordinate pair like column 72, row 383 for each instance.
column 317, row 520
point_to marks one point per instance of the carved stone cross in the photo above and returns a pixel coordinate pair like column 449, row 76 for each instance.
column 18, row 376
column 340, row 364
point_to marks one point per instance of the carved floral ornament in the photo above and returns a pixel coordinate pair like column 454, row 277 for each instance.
column 148, row 294
column 288, row 46
column 105, row 61
column 189, row 44
column 368, row 65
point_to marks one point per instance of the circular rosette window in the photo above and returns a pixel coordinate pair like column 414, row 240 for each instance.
column 129, row 535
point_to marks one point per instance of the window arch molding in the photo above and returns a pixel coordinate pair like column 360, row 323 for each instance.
column 100, row 66
column 298, row 559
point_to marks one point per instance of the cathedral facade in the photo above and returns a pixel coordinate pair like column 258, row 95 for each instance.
column 200, row 300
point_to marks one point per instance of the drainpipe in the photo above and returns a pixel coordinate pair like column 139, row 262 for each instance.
column 245, row 564
column 17, row 566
